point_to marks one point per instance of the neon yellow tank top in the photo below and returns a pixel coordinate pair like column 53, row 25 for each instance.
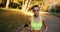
column 36, row 26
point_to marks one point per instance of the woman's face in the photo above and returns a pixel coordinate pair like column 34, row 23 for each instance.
column 36, row 11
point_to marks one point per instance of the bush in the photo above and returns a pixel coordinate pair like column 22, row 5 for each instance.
column 55, row 9
column 3, row 4
column 15, row 5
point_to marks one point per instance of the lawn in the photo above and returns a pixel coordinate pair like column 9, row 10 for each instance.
column 11, row 20
column 56, row 14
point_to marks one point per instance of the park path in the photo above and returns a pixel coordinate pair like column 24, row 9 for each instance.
column 53, row 23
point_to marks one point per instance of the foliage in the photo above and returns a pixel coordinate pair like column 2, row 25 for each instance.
column 15, row 5
column 3, row 4
column 55, row 9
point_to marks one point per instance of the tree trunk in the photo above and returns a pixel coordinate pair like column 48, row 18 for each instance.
column 28, row 5
column 24, row 7
column 7, row 4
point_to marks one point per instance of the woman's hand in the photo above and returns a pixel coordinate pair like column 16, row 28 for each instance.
column 28, row 28
column 46, row 29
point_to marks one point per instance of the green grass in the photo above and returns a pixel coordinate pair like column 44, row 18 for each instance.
column 11, row 20
column 56, row 14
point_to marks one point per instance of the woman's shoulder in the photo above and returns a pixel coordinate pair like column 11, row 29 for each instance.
column 43, row 18
column 29, row 19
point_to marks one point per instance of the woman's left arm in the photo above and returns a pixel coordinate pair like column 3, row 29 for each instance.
column 44, row 23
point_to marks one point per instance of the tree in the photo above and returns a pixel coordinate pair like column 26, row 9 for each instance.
column 7, row 4
column 25, row 6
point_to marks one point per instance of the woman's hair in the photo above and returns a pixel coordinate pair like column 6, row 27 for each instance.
column 34, row 6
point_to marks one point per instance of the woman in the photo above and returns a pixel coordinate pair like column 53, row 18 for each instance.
column 36, row 21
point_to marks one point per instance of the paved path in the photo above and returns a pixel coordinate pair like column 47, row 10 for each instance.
column 53, row 23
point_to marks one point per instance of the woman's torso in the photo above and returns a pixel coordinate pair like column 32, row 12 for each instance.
column 36, row 26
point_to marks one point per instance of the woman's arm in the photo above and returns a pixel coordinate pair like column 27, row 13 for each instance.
column 44, row 23
column 27, row 24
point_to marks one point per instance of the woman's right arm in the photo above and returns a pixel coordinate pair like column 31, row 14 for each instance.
column 27, row 25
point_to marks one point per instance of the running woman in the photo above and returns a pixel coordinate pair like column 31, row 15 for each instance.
column 36, row 21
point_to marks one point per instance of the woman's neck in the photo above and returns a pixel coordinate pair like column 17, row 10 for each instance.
column 36, row 16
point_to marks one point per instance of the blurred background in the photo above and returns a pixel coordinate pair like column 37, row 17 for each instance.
column 14, row 14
